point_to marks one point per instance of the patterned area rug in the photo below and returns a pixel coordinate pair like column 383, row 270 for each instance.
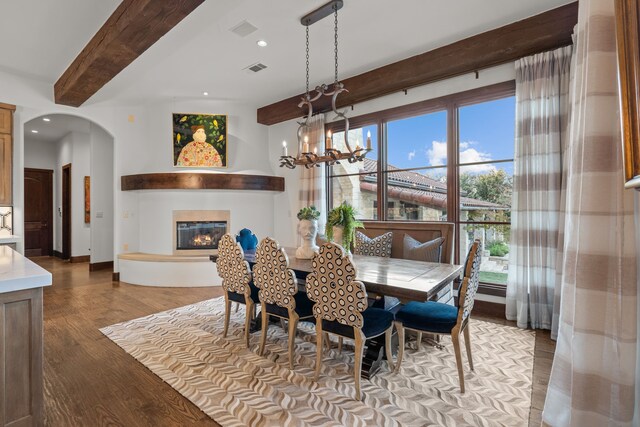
column 236, row 387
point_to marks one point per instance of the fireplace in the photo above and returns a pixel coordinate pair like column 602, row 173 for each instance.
column 199, row 232
column 198, row 235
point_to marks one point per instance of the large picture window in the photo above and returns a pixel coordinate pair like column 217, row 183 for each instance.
column 447, row 159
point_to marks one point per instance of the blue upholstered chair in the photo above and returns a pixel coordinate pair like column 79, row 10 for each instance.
column 279, row 294
column 439, row 318
column 341, row 306
column 236, row 282
column 247, row 240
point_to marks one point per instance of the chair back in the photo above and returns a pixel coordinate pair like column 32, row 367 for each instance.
column 271, row 274
column 470, row 282
column 232, row 267
column 333, row 288
column 247, row 239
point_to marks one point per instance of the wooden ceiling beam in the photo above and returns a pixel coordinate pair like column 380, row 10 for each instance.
column 132, row 28
column 546, row 31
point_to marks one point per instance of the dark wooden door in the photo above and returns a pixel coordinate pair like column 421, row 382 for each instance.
column 66, row 211
column 38, row 212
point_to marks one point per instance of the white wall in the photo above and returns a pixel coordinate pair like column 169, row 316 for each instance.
column 74, row 148
column 152, row 210
column 102, row 185
column 287, row 205
column 40, row 154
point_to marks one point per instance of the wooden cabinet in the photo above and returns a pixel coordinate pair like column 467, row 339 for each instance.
column 6, row 170
column 21, row 402
column 6, row 153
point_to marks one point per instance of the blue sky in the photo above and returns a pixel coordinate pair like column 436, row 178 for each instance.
column 486, row 133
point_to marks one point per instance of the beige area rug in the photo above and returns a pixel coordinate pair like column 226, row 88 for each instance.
column 236, row 387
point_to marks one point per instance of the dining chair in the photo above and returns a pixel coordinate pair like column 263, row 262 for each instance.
column 278, row 291
column 341, row 306
column 236, row 282
column 439, row 318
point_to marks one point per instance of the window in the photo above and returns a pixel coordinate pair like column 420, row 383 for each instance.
column 446, row 159
column 356, row 183
column 485, row 182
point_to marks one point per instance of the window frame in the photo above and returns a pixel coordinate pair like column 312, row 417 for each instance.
column 451, row 104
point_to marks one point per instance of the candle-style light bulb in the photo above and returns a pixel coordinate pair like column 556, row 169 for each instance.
column 305, row 147
column 284, row 148
column 328, row 141
column 315, row 150
column 368, row 140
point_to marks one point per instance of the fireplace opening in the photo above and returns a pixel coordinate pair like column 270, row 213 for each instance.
column 198, row 235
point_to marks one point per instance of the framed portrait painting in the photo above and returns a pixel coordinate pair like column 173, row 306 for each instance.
column 199, row 140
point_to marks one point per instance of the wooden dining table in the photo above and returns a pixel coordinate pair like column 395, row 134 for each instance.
column 384, row 278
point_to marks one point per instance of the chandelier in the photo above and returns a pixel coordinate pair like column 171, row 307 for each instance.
column 331, row 155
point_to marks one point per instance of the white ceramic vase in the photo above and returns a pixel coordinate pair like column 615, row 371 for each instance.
column 308, row 230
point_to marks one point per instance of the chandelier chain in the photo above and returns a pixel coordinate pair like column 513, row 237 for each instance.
column 307, row 61
column 335, row 49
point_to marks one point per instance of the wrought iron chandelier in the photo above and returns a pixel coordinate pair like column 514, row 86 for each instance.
column 331, row 155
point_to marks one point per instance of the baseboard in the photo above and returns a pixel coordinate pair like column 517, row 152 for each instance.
column 106, row 265
column 81, row 258
column 115, row 276
column 57, row 254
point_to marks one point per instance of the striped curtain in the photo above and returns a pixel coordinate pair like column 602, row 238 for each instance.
column 542, row 110
column 593, row 376
column 312, row 181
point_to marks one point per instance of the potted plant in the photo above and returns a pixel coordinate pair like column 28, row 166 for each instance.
column 308, row 229
column 342, row 224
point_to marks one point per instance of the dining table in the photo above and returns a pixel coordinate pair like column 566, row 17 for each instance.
column 389, row 282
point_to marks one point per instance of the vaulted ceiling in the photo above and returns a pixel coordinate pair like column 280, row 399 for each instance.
column 41, row 38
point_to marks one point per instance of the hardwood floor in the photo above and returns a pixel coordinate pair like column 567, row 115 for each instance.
column 89, row 381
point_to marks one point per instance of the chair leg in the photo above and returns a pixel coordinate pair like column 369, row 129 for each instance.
column 387, row 347
column 400, row 329
column 293, row 325
column 467, row 343
column 227, row 314
column 418, row 341
column 359, row 338
column 237, row 306
column 247, row 320
column 327, row 340
column 319, row 344
column 455, row 338
column 265, row 326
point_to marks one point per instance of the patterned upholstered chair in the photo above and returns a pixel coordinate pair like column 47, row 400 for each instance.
column 236, row 282
column 439, row 318
column 341, row 306
column 278, row 293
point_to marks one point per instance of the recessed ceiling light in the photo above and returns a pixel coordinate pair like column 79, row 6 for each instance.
column 205, row 93
column 262, row 43
column 34, row 131
column 46, row 119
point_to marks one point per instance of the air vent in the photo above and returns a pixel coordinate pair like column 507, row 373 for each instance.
column 256, row 67
column 243, row 29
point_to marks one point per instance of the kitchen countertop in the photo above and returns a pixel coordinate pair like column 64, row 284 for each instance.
column 18, row 273
column 9, row 239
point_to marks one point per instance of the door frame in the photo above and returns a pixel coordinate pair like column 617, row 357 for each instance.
column 66, row 211
column 49, row 247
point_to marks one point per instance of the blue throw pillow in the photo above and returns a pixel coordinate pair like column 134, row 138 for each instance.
column 247, row 240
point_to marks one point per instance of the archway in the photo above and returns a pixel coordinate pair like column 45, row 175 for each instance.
column 85, row 151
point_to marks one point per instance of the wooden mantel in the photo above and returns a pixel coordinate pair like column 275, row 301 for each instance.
column 201, row 181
